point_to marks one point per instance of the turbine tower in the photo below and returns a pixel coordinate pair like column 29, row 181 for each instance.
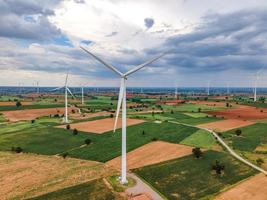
column 256, row 85
column 208, row 89
column 67, row 90
column 176, row 91
column 122, row 103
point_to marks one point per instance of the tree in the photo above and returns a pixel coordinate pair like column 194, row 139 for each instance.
column 172, row 112
column 227, row 104
column 238, row 132
column 87, row 141
column 218, row 167
column 68, row 127
column 18, row 104
column 75, row 131
column 32, row 121
column 199, row 109
column 111, row 115
column 197, row 152
column 262, row 99
column 143, row 133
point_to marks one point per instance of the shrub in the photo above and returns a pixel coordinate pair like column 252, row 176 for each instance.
column 111, row 115
column 68, row 127
column 143, row 133
column 16, row 149
column 155, row 139
column 171, row 111
column 260, row 161
column 32, row 121
column 218, row 167
column 197, row 152
column 64, row 155
column 238, row 132
column 87, row 141
column 75, row 131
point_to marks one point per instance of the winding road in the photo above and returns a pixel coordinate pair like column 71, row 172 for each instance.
column 231, row 151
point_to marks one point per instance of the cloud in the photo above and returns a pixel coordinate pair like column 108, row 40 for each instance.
column 80, row 1
column 112, row 34
column 149, row 22
column 28, row 19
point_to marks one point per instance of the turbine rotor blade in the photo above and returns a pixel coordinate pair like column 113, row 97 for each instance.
column 143, row 65
column 103, row 62
column 66, row 79
column 70, row 92
column 119, row 104
column 58, row 88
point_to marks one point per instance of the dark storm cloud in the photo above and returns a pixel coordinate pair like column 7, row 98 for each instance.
column 149, row 22
column 27, row 19
column 236, row 40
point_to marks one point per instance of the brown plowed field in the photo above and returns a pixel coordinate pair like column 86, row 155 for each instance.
column 13, row 103
column 226, row 125
column 154, row 152
column 101, row 125
column 29, row 114
column 254, row 188
column 243, row 113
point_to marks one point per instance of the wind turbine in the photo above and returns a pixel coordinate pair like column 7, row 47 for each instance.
column 176, row 91
column 67, row 90
column 122, row 103
column 208, row 89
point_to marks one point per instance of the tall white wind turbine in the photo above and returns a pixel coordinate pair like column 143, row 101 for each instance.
column 122, row 103
column 67, row 90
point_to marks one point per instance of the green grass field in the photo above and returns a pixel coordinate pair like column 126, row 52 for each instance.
column 108, row 145
column 251, row 137
column 24, row 107
column 201, row 138
column 91, row 190
column 189, row 178
column 190, row 107
column 179, row 117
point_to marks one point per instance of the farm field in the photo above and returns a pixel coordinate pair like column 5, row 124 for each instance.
column 174, row 178
column 152, row 153
column 251, row 137
column 242, row 113
column 194, row 119
column 226, row 125
column 30, row 114
column 33, row 106
column 42, row 138
column 200, row 138
column 96, row 189
column 28, row 175
column 100, row 126
column 253, row 188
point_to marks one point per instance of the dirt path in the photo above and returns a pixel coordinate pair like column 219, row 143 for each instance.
column 142, row 187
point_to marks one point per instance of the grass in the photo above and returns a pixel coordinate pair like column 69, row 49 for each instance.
column 117, row 186
column 44, row 139
column 196, row 115
column 108, row 146
column 189, row 178
column 251, row 137
column 201, row 138
column 91, row 190
column 179, row 117
column 190, row 107
column 24, row 107
column 2, row 118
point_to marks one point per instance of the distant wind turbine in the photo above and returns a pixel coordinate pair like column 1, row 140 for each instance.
column 208, row 88
column 257, row 77
column 122, row 103
column 67, row 90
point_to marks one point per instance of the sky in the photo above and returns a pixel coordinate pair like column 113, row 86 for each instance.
column 221, row 42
